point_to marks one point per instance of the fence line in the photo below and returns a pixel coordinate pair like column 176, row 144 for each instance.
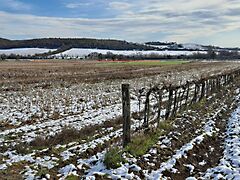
column 173, row 98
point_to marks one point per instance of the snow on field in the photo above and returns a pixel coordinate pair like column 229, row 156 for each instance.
column 17, row 108
column 96, row 165
column 44, row 112
column 25, row 51
column 73, row 150
column 127, row 170
column 209, row 129
column 83, row 52
column 229, row 166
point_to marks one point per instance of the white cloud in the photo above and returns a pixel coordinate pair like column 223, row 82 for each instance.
column 120, row 5
column 77, row 5
column 140, row 20
column 15, row 5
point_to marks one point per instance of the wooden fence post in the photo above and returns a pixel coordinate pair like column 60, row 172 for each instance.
column 178, row 99
column 174, row 103
column 186, row 100
column 203, row 89
column 160, row 92
column 126, row 114
column 147, row 109
column 169, row 104
column 181, row 98
column 194, row 99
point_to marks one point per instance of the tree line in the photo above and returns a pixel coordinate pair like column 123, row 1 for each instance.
column 209, row 55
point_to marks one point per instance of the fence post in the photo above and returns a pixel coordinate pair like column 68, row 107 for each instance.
column 147, row 109
column 186, row 100
column 175, row 103
column 126, row 114
column 160, row 92
column 203, row 89
column 194, row 99
column 169, row 104
column 178, row 100
column 181, row 98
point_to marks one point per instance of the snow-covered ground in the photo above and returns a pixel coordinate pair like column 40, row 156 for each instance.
column 209, row 129
column 130, row 170
column 83, row 52
column 229, row 166
column 191, row 46
column 43, row 112
column 25, row 51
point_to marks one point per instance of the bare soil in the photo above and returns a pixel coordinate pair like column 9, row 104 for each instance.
column 46, row 72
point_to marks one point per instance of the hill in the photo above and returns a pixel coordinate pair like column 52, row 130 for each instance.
column 68, row 43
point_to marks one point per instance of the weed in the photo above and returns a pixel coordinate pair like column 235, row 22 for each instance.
column 142, row 143
column 3, row 148
column 139, row 145
column 42, row 172
column 198, row 105
column 67, row 134
column 39, row 141
column 72, row 177
column 164, row 125
column 22, row 148
column 113, row 158
column 70, row 134
column 14, row 171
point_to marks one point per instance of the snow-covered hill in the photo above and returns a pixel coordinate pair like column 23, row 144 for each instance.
column 25, row 51
column 193, row 46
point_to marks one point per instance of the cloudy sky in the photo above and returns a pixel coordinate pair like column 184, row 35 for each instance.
column 215, row 22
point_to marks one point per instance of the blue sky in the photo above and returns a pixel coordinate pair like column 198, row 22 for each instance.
column 197, row 21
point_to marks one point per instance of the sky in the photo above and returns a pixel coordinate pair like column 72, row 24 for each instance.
column 215, row 22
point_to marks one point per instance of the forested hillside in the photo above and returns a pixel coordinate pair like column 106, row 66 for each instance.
column 67, row 43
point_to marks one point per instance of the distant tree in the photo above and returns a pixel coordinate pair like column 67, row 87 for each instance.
column 211, row 53
column 100, row 56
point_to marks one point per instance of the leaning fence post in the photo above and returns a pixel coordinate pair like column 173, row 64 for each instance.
column 126, row 114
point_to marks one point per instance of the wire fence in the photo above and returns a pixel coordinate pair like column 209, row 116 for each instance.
column 165, row 101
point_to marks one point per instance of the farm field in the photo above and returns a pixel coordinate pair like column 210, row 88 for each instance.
column 63, row 120
column 15, row 75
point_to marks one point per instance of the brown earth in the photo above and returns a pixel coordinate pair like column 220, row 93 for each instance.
column 21, row 73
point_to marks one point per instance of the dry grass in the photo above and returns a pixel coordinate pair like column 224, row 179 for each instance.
column 45, row 73
column 70, row 134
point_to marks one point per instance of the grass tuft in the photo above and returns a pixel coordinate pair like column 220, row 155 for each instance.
column 142, row 143
column 113, row 158
column 139, row 146
column 164, row 125
column 72, row 177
